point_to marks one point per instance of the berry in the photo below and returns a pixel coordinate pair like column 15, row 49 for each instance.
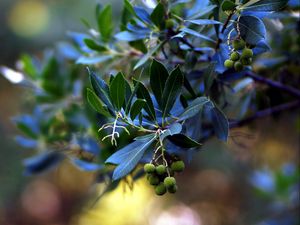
column 247, row 53
column 246, row 61
column 228, row 63
column 172, row 189
column 153, row 180
column 234, row 56
column 149, row 168
column 160, row 189
column 178, row 166
column 169, row 182
column 161, row 169
column 238, row 66
column 238, row 44
column 170, row 23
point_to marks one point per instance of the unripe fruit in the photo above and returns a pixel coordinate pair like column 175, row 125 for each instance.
column 161, row 169
column 177, row 166
column 149, row 168
column 238, row 66
column 246, row 61
column 172, row 189
column 169, row 182
column 228, row 63
column 247, row 53
column 153, row 180
column 238, row 44
column 170, row 23
column 160, row 189
column 234, row 56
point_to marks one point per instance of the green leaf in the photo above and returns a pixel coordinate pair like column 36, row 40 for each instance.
column 172, row 90
column 129, row 7
column 117, row 90
column 128, row 104
column 158, row 77
column 143, row 93
column 29, row 67
column 101, row 89
column 194, row 108
column 265, row 5
column 158, row 15
column 105, row 24
column 136, row 108
column 94, row 46
column 228, row 5
column 209, row 77
column 147, row 56
column 95, row 103
column 183, row 141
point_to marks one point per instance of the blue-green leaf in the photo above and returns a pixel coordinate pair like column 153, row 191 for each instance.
column 147, row 56
column 265, row 5
column 203, row 22
column 196, row 34
column 158, row 77
column 136, row 108
column 130, row 36
column 194, row 108
column 183, row 141
column 117, row 90
column 252, row 29
column 93, row 60
column 172, row 90
column 209, row 76
column 85, row 166
column 173, row 129
column 94, row 46
column 220, row 123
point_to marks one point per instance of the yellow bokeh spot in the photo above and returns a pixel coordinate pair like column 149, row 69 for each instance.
column 119, row 207
column 29, row 18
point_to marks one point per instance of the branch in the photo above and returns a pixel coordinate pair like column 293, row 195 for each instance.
column 266, row 112
column 293, row 91
column 223, row 30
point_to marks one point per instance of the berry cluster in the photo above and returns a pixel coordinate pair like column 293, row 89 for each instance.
column 161, row 177
column 241, row 56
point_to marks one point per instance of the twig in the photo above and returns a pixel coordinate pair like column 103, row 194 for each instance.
column 219, row 41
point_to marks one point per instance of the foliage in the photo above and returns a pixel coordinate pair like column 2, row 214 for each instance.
column 156, row 86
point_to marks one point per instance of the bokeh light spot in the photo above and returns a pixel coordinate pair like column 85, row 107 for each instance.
column 29, row 18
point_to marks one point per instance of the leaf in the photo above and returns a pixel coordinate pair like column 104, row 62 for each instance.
column 28, row 125
column 173, row 129
column 203, row 22
column 220, row 123
column 85, row 166
column 136, row 108
column 105, row 24
column 128, row 105
column 142, row 14
column 202, row 11
column 86, row 144
column 158, row 77
column 26, row 142
column 92, row 60
column 194, row 108
column 143, row 93
column 130, row 36
column 95, row 103
column 29, row 67
column 147, row 56
column 117, row 90
column 129, row 156
column 209, row 76
column 183, row 141
column 94, row 46
column 172, row 90
column 252, row 29
column 158, row 15
column 196, row 34
column 265, row 5
column 42, row 162
column 101, row 89
column 228, row 5
column 129, row 7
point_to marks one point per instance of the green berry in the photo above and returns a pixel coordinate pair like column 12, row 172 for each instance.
column 169, row 182
column 153, row 180
column 178, row 166
column 234, row 56
column 247, row 53
column 170, row 23
column 228, row 63
column 160, row 189
column 238, row 66
column 246, row 61
column 238, row 44
column 161, row 169
column 149, row 168
column 172, row 189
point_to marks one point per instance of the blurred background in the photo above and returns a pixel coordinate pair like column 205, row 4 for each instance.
column 250, row 180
